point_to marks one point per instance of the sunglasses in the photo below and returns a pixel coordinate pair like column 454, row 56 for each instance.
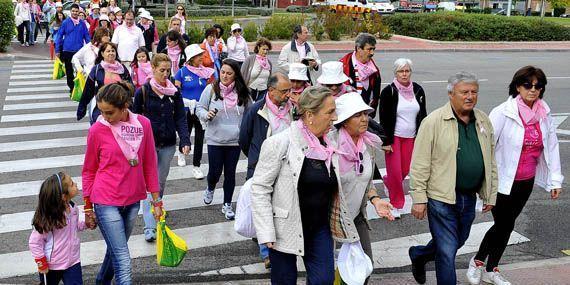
column 528, row 86
column 237, row 31
column 360, row 167
column 180, row 9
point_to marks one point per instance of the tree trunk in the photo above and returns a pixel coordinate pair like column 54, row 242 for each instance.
column 166, row 8
column 542, row 7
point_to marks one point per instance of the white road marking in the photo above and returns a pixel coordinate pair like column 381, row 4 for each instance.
column 38, row 89
column 37, row 96
column 38, row 116
column 42, row 144
column 33, row 61
column 30, row 76
column 44, row 105
column 44, row 129
column 29, row 66
column 39, row 70
column 38, row 82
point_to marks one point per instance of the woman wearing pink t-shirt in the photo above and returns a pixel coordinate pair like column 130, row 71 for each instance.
column 120, row 168
column 527, row 153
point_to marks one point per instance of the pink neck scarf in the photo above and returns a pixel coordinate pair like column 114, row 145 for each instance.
column 406, row 91
column 145, row 26
column 128, row 135
column 351, row 156
column 75, row 21
column 115, row 67
column 201, row 71
column 300, row 89
column 263, row 62
column 174, row 55
column 146, row 67
column 531, row 115
column 239, row 39
column 168, row 90
column 229, row 95
column 364, row 69
column 344, row 88
column 280, row 113
column 316, row 149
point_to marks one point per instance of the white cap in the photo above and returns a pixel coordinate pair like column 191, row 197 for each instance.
column 116, row 9
column 58, row 4
column 353, row 264
column 142, row 10
column 94, row 6
column 104, row 18
column 298, row 71
column 349, row 104
column 192, row 51
column 146, row 15
column 235, row 26
column 332, row 73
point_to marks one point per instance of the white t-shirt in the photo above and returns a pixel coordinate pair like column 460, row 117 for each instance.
column 406, row 114
column 237, row 50
column 128, row 42
column 260, row 77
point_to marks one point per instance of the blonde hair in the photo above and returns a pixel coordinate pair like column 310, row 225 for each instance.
column 312, row 99
column 158, row 59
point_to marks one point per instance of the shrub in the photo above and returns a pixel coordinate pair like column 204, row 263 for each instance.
column 299, row 9
column 280, row 27
column 372, row 24
column 226, row 24
column 195, row 33
column 216, row 12
column 250, row 32
column 7, row 24
column 445, row 26
column 487, row 10
column 161, row 26
column 260, row 11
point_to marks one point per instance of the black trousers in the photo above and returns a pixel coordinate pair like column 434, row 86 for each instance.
column 24, row 26
column 505, row 213
column 66, row 57
column 257, row 95
column 194, row 122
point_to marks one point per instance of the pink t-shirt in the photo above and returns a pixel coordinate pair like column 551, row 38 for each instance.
column 531, row 151
column 108, row 178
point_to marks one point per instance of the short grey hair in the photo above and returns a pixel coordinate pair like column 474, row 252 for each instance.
column 274, row 79
column 462, row 76
column 312, row 99
column 364, row 38
column 401, row 63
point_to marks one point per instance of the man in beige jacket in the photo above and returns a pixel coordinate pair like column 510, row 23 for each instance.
column 452, row 162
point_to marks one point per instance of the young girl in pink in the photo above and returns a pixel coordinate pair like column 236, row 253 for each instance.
column 54, row 242
column 141, row 68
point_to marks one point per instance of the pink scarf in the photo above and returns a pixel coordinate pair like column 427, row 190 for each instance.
column 145, row 26
column 351, row 153
column 281, row 113
column 115, row 67
column 201, row 71
column 239, row 39
column 167, row 90
column 406, row 91
column 229, row 95
column 531, row 115
column 75, row 21
column 263, row 62
column 316, row 149
column 300, row 89
column 364, row 69
column 128, row 135
column 174, row 55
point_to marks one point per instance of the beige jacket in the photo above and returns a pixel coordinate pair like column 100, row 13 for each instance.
column 432, row 173
column 275, row 200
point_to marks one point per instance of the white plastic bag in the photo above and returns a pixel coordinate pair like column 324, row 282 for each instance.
column 244, row 219
column 353, row 264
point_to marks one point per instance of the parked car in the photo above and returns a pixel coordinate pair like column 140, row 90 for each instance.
column 565, row 16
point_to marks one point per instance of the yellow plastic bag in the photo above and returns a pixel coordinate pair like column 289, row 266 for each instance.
column 78, row 85
column 170, row 248
column 58, row 69
column 337, row 278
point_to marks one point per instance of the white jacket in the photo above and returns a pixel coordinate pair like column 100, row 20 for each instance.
column 22, row 11
column 509, row 137
column 85, row 57
column 288, row 56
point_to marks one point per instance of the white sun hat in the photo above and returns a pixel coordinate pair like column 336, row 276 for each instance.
column 104, row 18
column 298, row 71
column 58, row 4
column 332, row 73
column 94, row 6
column 146, row 15
column 117, row 9
column 349, row 104
column 354, row 265
column 235, row 26
column 193, row 50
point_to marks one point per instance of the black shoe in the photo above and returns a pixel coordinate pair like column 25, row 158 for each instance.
column 418, row 268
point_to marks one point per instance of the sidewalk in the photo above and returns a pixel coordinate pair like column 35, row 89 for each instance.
column 554, row 271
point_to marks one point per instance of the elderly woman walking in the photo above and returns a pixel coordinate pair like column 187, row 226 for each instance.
column 527, row 153
column 402, row 109
column 298, row 204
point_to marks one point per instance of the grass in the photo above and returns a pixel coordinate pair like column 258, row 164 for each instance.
column 562, row 21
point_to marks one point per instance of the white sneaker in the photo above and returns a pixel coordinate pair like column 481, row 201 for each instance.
column 474, row 272
column 208, row 196
column 229, row 211
column 181, row 159
column 396, row 213
column 495, row 277
column 198, row 174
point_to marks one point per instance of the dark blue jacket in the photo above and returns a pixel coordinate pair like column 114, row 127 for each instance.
column 71, row 37
column 167, row 116
column 252, row 134
column 94, row 81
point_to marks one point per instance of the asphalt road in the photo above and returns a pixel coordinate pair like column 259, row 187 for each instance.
column 543, row 222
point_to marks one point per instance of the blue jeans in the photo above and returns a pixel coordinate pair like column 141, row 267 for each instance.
column 164, row 155
column 116, row 224
column 32, row 38
column 223, row 158
column 318, row 259
column 71, row 275
column 263, row 251
column 450, row 226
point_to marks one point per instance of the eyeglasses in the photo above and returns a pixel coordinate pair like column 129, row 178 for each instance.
column 180, row 9
column 528, row 86
column 360, row 166
column 237, row 30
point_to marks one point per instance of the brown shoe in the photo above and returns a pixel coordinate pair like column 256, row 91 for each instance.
column 267, row 263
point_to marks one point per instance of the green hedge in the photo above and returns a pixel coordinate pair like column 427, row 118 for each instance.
column 280, row 27
column 216, row 12
column 446, row 26
column 7, row 25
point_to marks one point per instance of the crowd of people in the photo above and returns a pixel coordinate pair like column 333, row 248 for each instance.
column 309, row 133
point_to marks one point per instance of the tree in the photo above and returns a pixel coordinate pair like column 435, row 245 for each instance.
column 553, row 4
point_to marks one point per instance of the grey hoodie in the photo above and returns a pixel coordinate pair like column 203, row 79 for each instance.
column 223, row 129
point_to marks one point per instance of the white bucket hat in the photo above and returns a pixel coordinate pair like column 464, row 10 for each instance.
column 298, row 71
column 348, row 105
column 235, row 26
column 192, row 51
column 332, row 73
column 104, row 18
column 117, row 9
column 353, row 264
column 146, row 15
column 58, row 4
column 94, row 6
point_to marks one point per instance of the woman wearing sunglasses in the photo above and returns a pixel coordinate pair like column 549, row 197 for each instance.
column 237, row 46
column 181, row 14
column 527, row 153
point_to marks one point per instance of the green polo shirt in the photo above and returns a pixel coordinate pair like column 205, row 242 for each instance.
column 469, row 158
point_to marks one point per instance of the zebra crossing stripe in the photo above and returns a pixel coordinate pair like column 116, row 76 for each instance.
column 37, row 96
column 34, row 61
column 28, row 66
column 38, row 89
column 30, row 76
column 38, row 70
column 38, row 116
column 45, row 105
column 37, row 82
column 42, row 144
column 39, row 129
